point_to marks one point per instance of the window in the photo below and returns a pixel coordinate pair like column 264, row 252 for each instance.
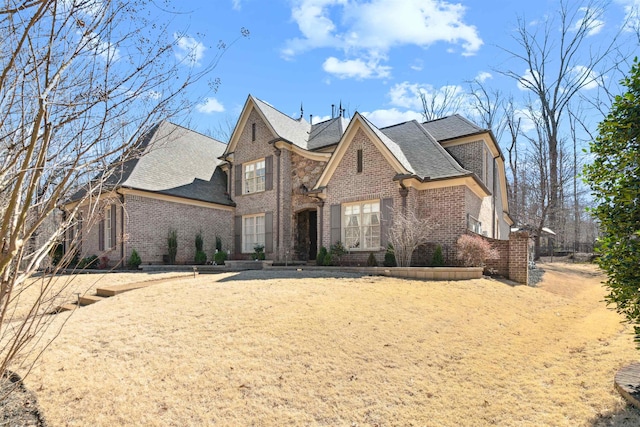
column 107, row 228
column 359, row 161
column 252, row 232
column 254, row 177
column 474, row 225
column 253, row 131
column 361, row 228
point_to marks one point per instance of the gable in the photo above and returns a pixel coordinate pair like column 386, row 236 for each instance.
column 359, row 128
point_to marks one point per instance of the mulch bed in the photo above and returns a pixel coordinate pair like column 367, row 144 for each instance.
column 18, row 406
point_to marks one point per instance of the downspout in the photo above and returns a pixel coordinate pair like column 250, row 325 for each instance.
column 278, row 156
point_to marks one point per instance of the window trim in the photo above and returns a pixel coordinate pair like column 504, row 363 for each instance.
column 255, row 177
column 255, row 235
column 361, row 225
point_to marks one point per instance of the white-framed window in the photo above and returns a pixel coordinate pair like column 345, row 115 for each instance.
column 254, row 177
column 361, row 225
column 108, row 243
column 252, row 232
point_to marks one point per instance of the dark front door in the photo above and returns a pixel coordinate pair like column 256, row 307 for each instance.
column 307, row 235
column 313, row 234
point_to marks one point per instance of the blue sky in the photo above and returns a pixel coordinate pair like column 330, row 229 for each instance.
column 374, row 56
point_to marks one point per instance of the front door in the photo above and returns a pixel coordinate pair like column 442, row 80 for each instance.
column 306, row 235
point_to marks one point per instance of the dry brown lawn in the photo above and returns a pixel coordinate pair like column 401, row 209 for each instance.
column 243, row 349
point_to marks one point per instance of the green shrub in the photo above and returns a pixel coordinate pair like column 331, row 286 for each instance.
column 172, row 246
column 86, row 263
column 220, row 257
column 371, row 261
column 390, row 257
column 322, row 253
column 438, row 258
column 258, row 253
column 200, row 258
column 328, row 259
column 56, row 254
column 134, row 260
column 337, row 250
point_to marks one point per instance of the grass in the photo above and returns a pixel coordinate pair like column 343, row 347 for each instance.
column 239, row 349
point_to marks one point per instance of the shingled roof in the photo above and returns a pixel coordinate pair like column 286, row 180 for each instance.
column 451, row 127
column 175, row 161
column 425, row 155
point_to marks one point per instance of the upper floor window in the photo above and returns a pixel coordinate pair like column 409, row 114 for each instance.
column 359, row 161
column 361, row 229
column 253, row 131
column 254, row 177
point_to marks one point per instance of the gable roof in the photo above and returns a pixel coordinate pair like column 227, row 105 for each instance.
column 427, row 158
column 288, row 128
column 451, row 127
column 176, row 161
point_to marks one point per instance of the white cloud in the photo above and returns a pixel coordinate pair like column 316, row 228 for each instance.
column 417, row 65
column 527, row 123
column 188, row 49
column 210, row 105
column 408, row 95
column 355, row 68
column 379, row 25
column 528, row 80
column 632, row 14
column 236, row 4
column 382, row 118
column 105, row 50
column 319, row 119
column 589, row 21
column 586, row 75
column 483, row 76
column 367, row 30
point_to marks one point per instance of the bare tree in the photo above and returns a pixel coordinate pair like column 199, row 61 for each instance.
column 559, row 63
column 80, row 82
column 406, row 233
column 447, row 100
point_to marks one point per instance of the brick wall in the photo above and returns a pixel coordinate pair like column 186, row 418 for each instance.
column 148, row 220
column 513, row 262
column 375, row 182
column 265, row 201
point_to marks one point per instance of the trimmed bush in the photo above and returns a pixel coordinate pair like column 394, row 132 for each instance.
column 200, row 258
column 322, row 253
column 134, row 260
column 371, row 261
column 438, row 259
column 220, row 257
column 328, row 260
column 390, row 257
column 172, row 246
column 473, row 251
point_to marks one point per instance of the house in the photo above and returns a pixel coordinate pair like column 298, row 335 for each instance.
column 173, row 182
column 293, row 187
column 298, row 186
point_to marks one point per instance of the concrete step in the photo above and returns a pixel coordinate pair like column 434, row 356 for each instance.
column 89, row 299
column 109, row 291
column 65, row 307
